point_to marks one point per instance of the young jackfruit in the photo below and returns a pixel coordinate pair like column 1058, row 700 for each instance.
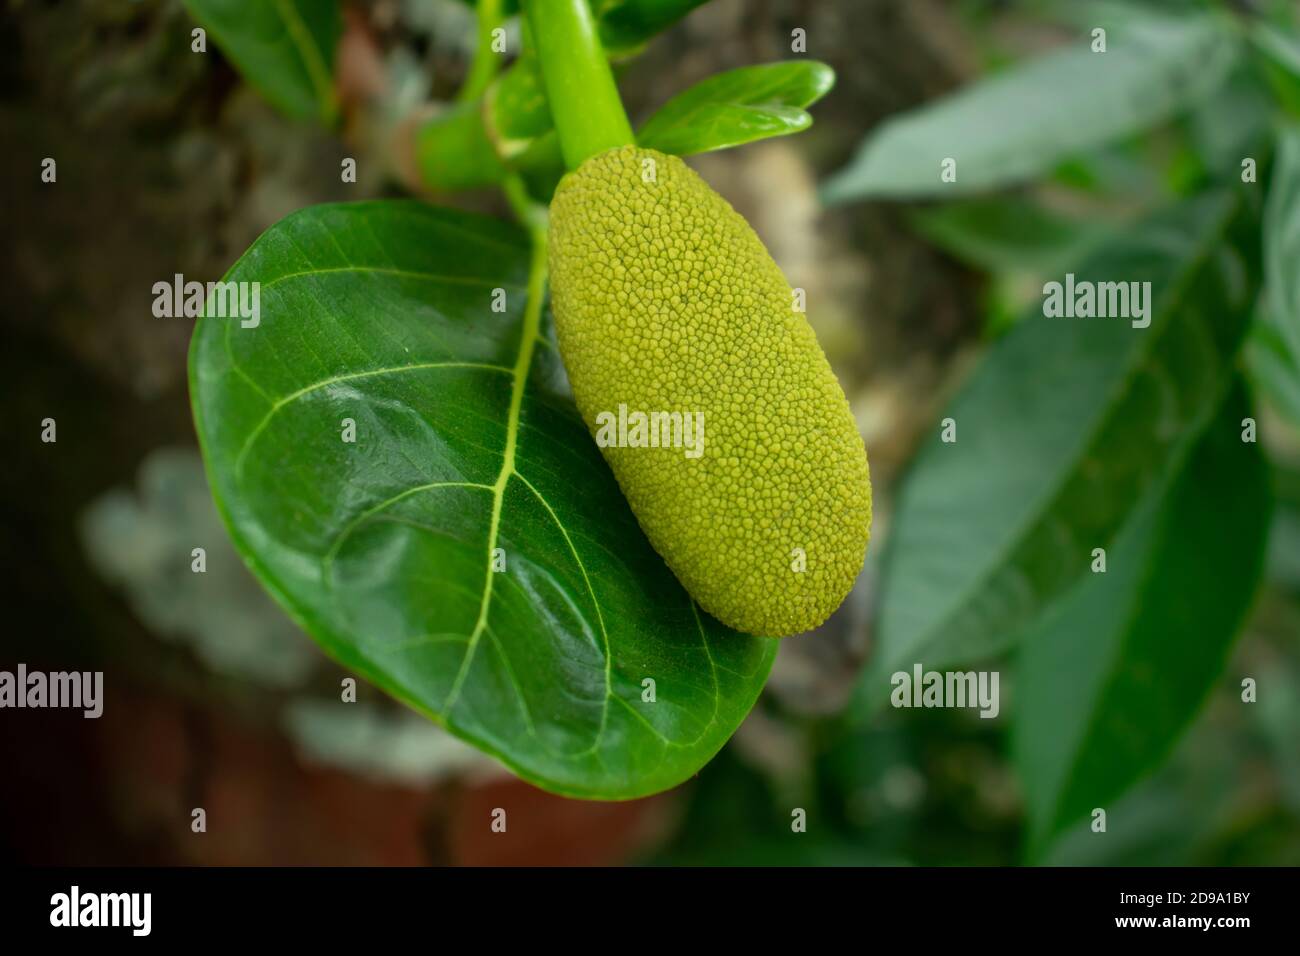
column 665, row 300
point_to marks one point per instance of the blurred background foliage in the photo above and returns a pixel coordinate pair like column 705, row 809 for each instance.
column 178, row 161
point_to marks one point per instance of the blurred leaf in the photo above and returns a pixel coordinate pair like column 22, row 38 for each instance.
column 508, row 7
column 929, row 787
column 1273, row 366
column 516, row 107
column 1278, row 715
column 518, row 122
column 1020, row 123
column 735, row 816
column 625, row 25
column 1282, row 239
column 737, row 107
column 284, row 48
column 1118, row 171
column 1281, row 61
column 1008, row 234
column 1061, row 430
column 1234, row 122
column 1282, row 48
column 1284, row 554
column 1114, row 673
column 453, row 151
column 466, row 440
column 1284, row 542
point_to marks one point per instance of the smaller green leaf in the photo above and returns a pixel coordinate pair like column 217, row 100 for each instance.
column 737, row 107
column 1112, row 676
column 1282, row 238
column 283, row 48
column 517, row 115
column 626, row 25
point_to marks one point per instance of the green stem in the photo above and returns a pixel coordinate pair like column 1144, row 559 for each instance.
column 486, row 60
column 531, row 214
column 580, row 89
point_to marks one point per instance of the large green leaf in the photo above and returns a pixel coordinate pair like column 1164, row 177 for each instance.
column 466, row 441
column 284, row 48
column 737, row 107
column 1282, row 238
column 1020, row 123
column 1061, row 430
column 1111, row 677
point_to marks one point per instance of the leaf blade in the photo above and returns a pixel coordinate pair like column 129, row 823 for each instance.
column 1110, row 679
column 1282, row 238
column 283, row 48
column 737, row 107
column 1067, row 422
column 1005, row 235
column 466, row 441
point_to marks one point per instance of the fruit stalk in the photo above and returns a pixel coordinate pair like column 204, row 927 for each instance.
column 584, row 101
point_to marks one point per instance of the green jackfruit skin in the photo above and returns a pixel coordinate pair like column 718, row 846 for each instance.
column 666, row 300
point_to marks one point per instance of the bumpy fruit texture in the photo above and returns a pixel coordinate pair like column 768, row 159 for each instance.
column 665, row 300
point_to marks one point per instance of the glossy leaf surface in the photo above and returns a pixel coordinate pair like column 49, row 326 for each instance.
column 737, row 107
column 468, row 454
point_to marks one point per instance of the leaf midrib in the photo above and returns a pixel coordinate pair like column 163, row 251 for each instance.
column 527, row 339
